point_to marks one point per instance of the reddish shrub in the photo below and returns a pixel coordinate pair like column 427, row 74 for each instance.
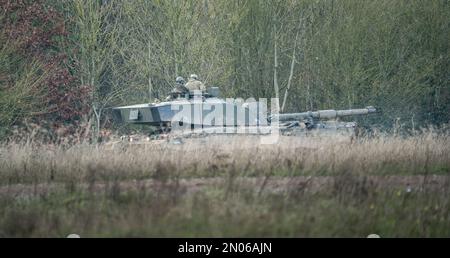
column 39, row 31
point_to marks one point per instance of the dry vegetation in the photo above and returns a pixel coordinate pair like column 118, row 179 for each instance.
column 229, row 186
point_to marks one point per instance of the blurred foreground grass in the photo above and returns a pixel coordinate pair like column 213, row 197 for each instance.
column 230, row 187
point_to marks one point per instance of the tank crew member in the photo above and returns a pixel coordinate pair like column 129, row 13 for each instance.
column 195, row 84
column 179, row 90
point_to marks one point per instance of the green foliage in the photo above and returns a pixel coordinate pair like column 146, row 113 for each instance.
column 394, row 55
column 35, row 79
column 389, row 54
column 342, row 54
column 20, row 94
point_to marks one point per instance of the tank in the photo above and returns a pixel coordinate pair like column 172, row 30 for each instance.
column 321, row 121
column 196, row 110
column 196, row 107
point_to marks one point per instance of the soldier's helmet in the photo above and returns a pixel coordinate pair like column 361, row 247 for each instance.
column 194, row 77
column 180, row 80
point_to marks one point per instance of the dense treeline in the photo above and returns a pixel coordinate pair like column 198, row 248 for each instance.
column 64, row 62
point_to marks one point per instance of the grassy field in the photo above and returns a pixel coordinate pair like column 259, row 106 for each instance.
column 229, row 187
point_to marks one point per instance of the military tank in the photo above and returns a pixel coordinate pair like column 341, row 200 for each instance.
column 207, row 112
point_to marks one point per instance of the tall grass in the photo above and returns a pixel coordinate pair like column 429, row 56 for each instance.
column 218, row 156
column 229, row 186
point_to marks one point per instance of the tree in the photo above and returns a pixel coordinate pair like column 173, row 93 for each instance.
column 36, row 81
column 96, row 39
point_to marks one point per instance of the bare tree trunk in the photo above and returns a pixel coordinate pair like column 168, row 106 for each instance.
column 97, row 113
column 308, row 92
column 150, row 89
column 275, row 68
column 176, row 63
column 150, row 86
column 291, row 74
column 88, row 122
column 309, row 103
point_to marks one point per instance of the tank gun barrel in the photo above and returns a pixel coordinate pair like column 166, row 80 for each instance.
column 324, row 114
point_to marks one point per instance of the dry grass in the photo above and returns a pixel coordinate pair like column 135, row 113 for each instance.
column 229, row 186
column 220, row 156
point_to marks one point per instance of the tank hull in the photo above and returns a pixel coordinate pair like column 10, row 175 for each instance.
column 206, row 112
